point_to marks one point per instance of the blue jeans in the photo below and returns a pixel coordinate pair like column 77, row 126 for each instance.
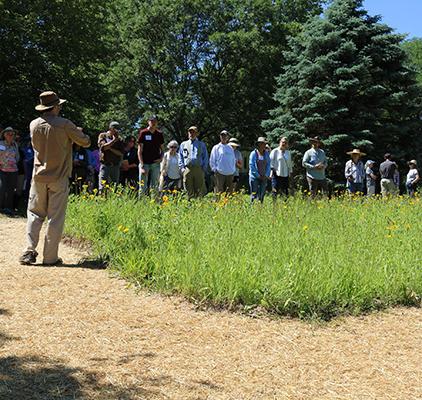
column 411, row 189
column 353, row 187
column 257, row 187
column 150, row 179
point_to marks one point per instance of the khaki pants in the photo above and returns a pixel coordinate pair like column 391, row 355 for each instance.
column 47, row 200
column 194, row 181
column 223, row 183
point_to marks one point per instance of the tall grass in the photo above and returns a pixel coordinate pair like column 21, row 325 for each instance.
column 299, row 257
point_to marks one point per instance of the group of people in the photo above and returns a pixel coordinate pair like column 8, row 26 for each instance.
column 143, row 163
column 58, row 151
column 188, row 165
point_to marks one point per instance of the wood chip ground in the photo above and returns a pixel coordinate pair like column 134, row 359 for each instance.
column 78, row 333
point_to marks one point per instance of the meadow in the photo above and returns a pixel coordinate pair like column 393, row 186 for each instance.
column 300, row 257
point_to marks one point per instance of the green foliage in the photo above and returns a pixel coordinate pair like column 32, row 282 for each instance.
column 300, row 257
column 55, row 45
column 413, row 48
column 209, row 63
column 346, row 79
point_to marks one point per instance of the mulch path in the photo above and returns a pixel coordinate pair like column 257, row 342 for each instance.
column 78, row 333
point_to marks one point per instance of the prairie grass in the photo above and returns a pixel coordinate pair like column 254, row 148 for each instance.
column 299, row 257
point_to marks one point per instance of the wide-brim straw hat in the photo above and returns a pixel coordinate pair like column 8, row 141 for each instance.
column 414, row 162
column 48, row 100
column 356, row 151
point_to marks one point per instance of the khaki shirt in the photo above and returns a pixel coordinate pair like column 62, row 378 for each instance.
column 52, row 139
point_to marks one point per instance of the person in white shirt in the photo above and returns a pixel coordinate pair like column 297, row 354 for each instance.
column 223, row 164
column 412, row 178
column 170, row 175
column 239, row 162
column 354, row 172
column 281, row 168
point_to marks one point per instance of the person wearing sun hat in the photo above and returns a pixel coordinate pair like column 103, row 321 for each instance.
column 259, row 170
column 412, row 177
column 354, row 172
column 52, row 138
column 315, row 163
column 9, row 159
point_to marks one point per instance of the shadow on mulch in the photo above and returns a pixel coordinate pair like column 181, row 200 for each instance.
column 39, row 378
column 84, row 263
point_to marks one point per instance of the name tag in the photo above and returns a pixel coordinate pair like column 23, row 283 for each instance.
column 260, row 158
column 81, row 157
column 2, row 148
column 148, row 137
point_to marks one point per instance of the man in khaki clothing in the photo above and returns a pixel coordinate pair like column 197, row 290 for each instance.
column 193, row 163
column 52, row 138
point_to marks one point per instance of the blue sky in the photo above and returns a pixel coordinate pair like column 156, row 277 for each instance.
column 403, row 15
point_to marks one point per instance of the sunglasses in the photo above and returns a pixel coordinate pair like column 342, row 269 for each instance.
column 173, row 147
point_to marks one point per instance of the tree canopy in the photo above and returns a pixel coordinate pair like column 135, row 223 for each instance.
column 55, row 45
column 209, row 63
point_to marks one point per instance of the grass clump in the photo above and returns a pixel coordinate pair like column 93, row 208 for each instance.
column 300, row 257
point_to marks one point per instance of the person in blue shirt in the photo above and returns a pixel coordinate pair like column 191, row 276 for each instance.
column 193, row 163
column 315, row 162
column 259, row 170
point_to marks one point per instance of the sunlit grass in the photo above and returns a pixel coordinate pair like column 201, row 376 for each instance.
column 300, row 257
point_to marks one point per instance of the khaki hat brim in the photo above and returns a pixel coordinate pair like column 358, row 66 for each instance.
column 354, row 152
column 42, row 107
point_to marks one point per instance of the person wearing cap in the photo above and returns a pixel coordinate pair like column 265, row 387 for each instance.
column 234, row 143
column 9, row 159
column 412, row 177
column 150, row 154
column 259, row 170
column 111, row 148
column 371, row 178
column 193, row 163
column 281, row 168
column 223, row 164
column 387, row 171
column 52, row 138
column 354, row 172
column 170, row 178
column 315, row 162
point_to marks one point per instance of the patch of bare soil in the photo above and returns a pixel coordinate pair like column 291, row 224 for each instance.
column 77, row 333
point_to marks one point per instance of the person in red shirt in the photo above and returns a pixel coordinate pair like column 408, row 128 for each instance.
column 150, row 154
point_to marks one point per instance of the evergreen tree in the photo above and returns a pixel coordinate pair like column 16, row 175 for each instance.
column 346, row 80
